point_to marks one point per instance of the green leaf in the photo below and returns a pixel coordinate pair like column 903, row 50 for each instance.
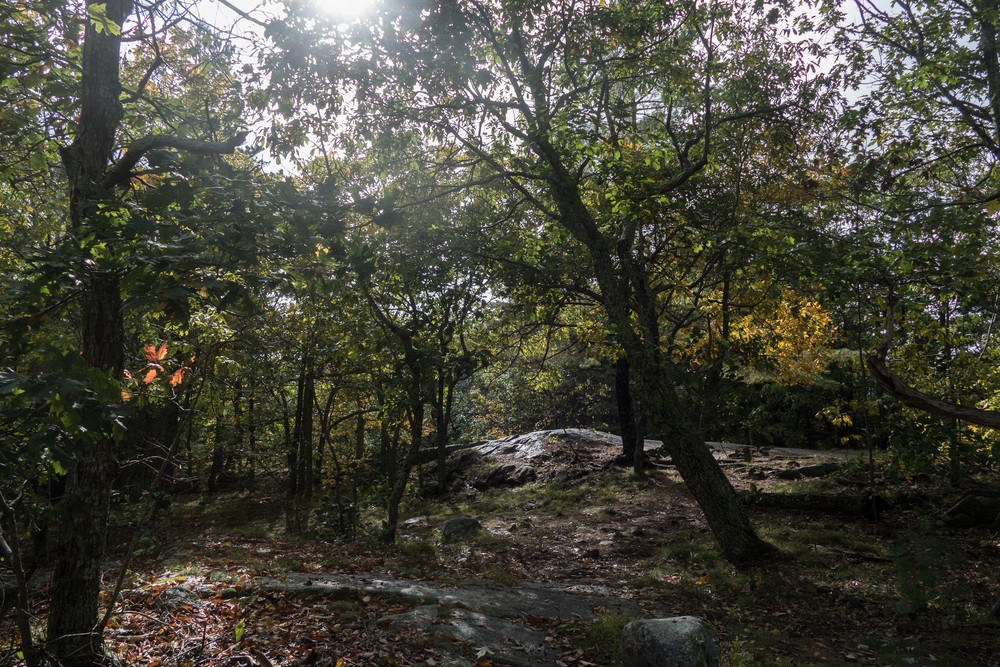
column 99, row 17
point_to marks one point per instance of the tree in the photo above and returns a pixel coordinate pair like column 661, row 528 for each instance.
column 927, row 137
column 424, row 295
column 87, row 123
column 596, row 116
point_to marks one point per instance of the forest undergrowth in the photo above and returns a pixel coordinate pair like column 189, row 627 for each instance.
column 903, row 590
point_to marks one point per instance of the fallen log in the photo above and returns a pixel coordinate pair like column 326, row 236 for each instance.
column 867, row 505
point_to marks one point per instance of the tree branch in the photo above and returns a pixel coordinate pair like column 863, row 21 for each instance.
column 121, row 172
column 913, row 398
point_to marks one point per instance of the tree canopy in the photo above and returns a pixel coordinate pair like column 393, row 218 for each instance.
column 331, row 248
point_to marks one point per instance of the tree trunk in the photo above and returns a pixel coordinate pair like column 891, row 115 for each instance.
column 709, row 485
column 300, row 453
column 444, row 401
column 218, row 458
column 626, row 412
column 402, row 476
column 632, row 312
column 251, row 441
column 74, row 638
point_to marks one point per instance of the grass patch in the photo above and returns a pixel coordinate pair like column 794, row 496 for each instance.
column 503, row 576
column 751, row 652
column 418, row 553
column 690, row 547
column 601, row 640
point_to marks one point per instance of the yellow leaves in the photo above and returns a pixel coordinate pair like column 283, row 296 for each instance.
column 837, row 415
column 794, row 338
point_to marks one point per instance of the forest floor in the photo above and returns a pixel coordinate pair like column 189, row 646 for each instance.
column 904, row 590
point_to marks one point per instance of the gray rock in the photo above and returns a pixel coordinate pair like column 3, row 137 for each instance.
column 819, row 469
column 172, row 599
column 536, row 444
column 529, row 599
column 510, row 642
column 560, row 475
column 682, row 641
column 461, row 526
column 415, row 522
column 508, row 474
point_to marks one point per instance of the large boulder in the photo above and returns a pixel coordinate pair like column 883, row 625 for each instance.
column 682, row 641
column 539, row 444
column 461, row 526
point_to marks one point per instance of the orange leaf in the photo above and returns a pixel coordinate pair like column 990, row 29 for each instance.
column 177, row 377
column 150, row 376
column 150, row 351
column 127, row 374
column 126, row 396
column 162, row 352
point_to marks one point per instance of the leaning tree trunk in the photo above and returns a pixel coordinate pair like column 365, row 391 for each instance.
column 726, row 516
column 626, row 293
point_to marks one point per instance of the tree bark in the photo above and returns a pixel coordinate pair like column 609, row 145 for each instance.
column 402, row 476
column 628, row 299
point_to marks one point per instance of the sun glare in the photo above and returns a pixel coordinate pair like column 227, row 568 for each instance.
column 347, row 10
